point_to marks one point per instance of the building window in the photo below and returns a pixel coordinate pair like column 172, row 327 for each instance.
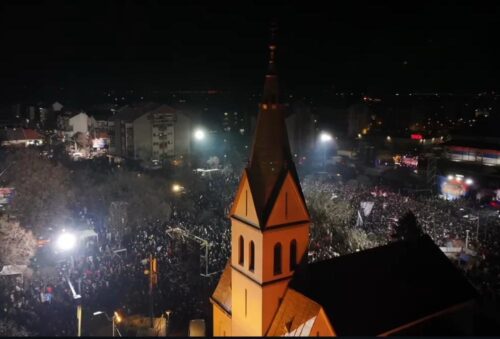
column 241, row 247
column 251, row 266
column 293, row 254
column 277, row 259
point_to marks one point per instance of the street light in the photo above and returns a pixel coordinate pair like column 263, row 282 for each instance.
column 325, row 138
column 168, row 313
column 199, row 134
column 66, row 241
column 176, row 188
column 115, row 319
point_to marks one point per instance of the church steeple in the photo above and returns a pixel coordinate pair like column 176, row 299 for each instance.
column 270, row 158
column 269, row 225
column 271, row 94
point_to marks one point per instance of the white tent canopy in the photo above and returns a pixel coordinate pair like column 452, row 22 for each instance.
column 86, row 234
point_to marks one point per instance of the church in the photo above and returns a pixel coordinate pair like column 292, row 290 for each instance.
column 268, row 289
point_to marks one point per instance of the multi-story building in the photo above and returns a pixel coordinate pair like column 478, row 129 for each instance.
column 151, row 131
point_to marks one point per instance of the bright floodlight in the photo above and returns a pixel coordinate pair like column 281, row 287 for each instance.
column 450, row 177
column 199, row 134
column 325, row 137
column 176, row 187
column 66, row 241
column 469, row 181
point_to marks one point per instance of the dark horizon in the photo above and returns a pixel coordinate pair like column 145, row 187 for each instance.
column 96, row 46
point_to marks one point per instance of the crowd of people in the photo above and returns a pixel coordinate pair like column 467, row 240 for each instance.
column 110, row 273
column 458, row 223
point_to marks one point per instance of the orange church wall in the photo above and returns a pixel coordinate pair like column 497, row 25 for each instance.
column 246, row 322
column 249, row 233
column 243, row 206
column 222, row 322
column 283, row 235
column 289, row 206
column 322, row 326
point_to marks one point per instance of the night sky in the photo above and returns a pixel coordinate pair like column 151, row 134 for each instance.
column 83, row 45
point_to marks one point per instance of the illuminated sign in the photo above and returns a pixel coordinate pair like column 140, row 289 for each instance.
column 417, row 137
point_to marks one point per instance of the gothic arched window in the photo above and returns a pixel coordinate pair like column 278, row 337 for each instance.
column 251, row 255
column 277, row 259
column 241, row 250
column 293, row 254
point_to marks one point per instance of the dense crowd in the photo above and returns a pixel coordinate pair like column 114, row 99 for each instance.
column 446, row 222
column 109, row 274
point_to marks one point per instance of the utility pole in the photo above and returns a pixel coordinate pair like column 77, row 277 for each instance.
column 153, row 281
column 77, row 298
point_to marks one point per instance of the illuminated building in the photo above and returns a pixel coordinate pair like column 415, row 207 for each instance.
column 269, row 289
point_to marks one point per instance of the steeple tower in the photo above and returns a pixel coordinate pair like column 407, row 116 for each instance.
column 270, row 158
column 269, row 221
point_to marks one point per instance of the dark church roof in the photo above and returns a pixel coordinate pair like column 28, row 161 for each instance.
column 380, row 289
column 270, row 158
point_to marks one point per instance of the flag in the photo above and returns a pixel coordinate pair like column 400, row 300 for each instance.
column 367, row 207
column 359, row 221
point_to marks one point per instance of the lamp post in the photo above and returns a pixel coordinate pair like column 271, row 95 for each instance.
column 78, row 299
column 114, row 320
column 168, row 313
column 66, row 242
column 325, row 138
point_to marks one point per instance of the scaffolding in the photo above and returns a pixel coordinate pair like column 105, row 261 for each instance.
column 177, row 232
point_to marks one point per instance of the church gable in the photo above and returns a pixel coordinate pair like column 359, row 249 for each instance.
column 289, row 207
column 244, row 206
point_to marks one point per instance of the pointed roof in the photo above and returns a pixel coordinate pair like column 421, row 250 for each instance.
column 222, row 294
column 271, row 157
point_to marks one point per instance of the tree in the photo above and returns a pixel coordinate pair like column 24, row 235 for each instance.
column 42, row 190
column 408, row 228
column 17, row 245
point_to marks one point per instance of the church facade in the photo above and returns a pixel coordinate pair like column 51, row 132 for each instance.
column 267, row 287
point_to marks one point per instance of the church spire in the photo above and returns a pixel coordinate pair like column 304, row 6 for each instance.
column 271, row 93
column 271, row 157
